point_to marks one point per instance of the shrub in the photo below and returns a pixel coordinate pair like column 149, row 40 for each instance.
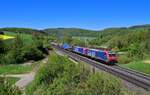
column 100, row 84
column 12, row 57
column 30, row 52
column 20, row 52
column 2, row 47
column 7, row 89
column 122, row 59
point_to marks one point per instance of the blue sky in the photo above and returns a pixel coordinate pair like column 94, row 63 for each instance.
column 88, row 14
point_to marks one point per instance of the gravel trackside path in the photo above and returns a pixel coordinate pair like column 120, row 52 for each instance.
column 25, row 79
column 29, row 77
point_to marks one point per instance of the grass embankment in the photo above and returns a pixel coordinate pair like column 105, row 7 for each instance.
column 15, row 69
column 139, row 66
column 60, row 76
column 11, row 80
column 18, row 68
column 6, row 87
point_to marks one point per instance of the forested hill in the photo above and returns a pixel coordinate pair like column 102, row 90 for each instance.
column 146, row 27
column 22, row 30
column 92, row 33
column 109, row 33
column 71, row 32
column 81, row 32
column 56, row 31
column 124, row 35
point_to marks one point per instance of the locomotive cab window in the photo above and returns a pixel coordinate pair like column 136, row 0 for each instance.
column 112, row 55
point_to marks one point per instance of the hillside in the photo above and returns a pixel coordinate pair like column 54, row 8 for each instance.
column 145, row 27
column 59, row 32
column 71, row 32
column 22, row 30
column 91, row 33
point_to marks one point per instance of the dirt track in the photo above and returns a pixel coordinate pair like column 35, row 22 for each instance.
column 27, row 78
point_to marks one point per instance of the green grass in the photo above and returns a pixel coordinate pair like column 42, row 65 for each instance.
column 12, row 80
column 139, row 66
column 18, row 69
column 83, row 38
column 15, row 69
column 27, row 38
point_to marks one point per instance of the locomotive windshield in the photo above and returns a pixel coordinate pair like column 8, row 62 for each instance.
column 112, row 54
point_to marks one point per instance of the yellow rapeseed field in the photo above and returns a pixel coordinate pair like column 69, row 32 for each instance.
column 4, row 37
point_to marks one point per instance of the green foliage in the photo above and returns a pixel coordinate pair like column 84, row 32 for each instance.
column 123, row 59
column 14, row 69
column 100, row 84
column 26, row 38
column 2, row 47
column 12, row 80
column 23, row 48
column 67, row 39
column 135, row 41
column 32, row 53
column 60, row 76
column 61, row 32
column 139, row 66
column 14, row 54
column 7, row 89
column 21, row 30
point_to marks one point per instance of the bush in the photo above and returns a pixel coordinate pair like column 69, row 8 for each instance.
column 100, row 84
column 31, row 53
column 12, row 57
column 122, row 59
column 2, row 47
column 20, row 52
column 7, row 89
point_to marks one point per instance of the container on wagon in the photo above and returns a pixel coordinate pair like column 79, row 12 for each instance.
column 65, row 46
column 78, row 49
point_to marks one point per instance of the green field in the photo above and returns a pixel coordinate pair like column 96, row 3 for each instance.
column 14, row 69
column 27, row 38
column 18, row 69
column 139, row 66
column 12, row 80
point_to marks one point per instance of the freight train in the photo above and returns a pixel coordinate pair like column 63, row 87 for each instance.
column 103, row 56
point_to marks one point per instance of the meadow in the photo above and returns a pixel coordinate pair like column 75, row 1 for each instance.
column 26, row 38
column 138, row 66
column 14, row 69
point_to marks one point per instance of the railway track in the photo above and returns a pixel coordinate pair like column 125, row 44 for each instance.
column 134, row 77
column 145, row 76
